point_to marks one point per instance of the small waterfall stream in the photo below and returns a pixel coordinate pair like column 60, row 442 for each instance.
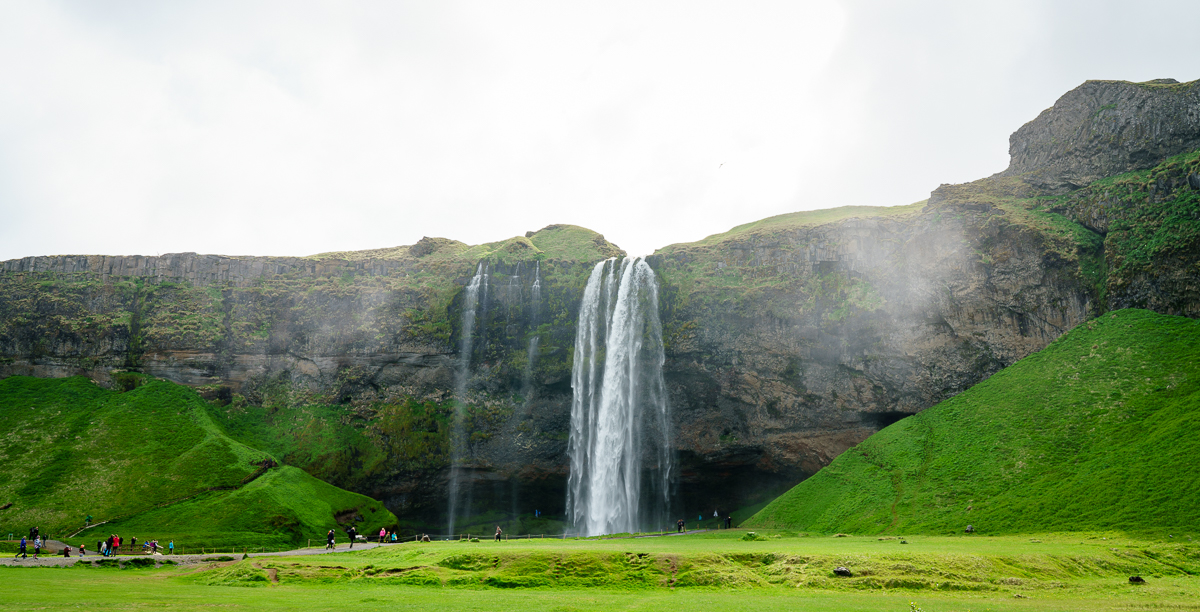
column 619, row 439
column 535, row 297
column 466, row 345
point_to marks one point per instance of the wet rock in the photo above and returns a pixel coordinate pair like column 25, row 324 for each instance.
column 842, row 571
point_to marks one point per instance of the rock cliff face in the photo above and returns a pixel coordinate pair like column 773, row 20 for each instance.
column 787, row 340
column 1105, row 128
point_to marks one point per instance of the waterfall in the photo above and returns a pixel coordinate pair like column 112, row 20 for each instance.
column 535, row 307
column 512, row 293
column 619, row 438
column 466, row 345
column 536, row 291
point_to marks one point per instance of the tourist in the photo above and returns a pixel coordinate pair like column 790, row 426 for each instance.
column 37, row 546
column 382, row 534
column 329, row 539
column 82, row 550
column 171, row 547
column 66, row 551
column 393, row 537
column 352, row 532
column 498, row 532
column 728, row 522
column 133, row 544
column 21, row 550
column 679, row 525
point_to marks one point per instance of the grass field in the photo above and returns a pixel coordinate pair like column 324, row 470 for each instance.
column 1097, row 431
column 717, row 571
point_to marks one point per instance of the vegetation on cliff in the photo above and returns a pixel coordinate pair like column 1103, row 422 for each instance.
column 1095, row 432
column 1150, row 222
column 151, row 459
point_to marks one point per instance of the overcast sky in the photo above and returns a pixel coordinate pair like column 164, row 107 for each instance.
column 293, row 128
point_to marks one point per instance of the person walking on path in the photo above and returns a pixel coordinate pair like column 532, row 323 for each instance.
column 21, row 550
column 352, row 532
column 382, row 534
column 728, row 522
column 82, row 550
column 171, row 547
column 37, row 546
column 498, row 532
column 329, row 540
column 679, row 526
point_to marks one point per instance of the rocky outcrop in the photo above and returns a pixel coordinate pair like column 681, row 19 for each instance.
column 1105, row 128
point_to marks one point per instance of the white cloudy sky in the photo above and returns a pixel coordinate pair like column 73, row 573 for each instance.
column 296, row 127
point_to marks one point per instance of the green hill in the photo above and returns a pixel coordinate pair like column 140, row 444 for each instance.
column 151, row 460
column 1098, row 431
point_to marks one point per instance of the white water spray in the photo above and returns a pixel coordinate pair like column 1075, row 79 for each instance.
column 466, row 345
column 619, row 421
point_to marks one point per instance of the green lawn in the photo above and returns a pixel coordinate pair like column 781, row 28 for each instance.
column 1058, row 572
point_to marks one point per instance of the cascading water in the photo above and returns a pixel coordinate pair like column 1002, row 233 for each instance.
column 535, row 296
column 619, row 440
column 466, row 345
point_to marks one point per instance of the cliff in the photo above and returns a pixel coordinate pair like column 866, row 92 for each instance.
column 1105, row 128
column 787, row 340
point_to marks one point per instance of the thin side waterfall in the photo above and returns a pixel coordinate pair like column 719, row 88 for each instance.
column 619, row 443
column 466, row 345
column 535, row 297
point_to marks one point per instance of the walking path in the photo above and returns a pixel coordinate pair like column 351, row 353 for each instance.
column 48, row 560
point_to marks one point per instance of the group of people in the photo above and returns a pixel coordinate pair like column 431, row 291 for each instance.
column 111, row 546
column 35, row 536
column 108, row 547
column 680, row 524
column 385, row 536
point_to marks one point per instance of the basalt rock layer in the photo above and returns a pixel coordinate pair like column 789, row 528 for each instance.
column 787, row 340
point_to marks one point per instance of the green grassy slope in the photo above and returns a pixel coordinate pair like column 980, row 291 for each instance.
column 805, row 218
column 284, row 506
column 71, row 449
column 1095, row 432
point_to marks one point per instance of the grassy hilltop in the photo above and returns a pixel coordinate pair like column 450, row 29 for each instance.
column 1095, row 432
column 152, row 462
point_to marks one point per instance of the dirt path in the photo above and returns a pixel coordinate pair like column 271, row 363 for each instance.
column 52, row 561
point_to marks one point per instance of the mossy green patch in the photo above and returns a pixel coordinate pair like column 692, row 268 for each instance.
column 151, row 460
